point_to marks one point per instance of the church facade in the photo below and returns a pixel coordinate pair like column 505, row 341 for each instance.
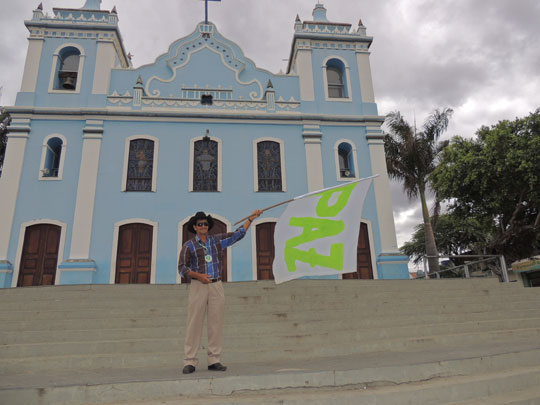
column 106, row 163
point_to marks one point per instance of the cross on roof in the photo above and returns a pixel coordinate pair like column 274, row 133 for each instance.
column 206, row 10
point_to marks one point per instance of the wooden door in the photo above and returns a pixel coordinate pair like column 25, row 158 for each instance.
column 39, row 256
column 134, row 257
column 364, row 269
column 219, row 227
column 265, row 250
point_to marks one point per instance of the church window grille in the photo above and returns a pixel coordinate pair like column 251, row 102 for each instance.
column 269, row 166
column 140, row 165
column 206, row 99
column 205, row 165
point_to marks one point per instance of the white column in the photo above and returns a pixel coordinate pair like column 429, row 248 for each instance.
column 366, row 81
column 19, row 132
column 31, row 67
column 383, row 197
column 105, row 57
column 312, row 140
column 86, row 190
column 304, row 69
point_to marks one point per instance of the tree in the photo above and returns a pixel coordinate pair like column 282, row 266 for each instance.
column 411, row 157
column 4, row 122
column 495, row 177
column 454, row 235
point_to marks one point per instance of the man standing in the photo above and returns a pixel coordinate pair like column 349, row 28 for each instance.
column 200, row 259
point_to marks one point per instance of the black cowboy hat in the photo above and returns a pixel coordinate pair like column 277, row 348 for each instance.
column 198, row 216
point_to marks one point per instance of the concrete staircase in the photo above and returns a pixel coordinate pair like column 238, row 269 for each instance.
column 307, row 341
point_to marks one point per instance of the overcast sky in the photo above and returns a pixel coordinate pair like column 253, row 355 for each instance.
column 480, row 57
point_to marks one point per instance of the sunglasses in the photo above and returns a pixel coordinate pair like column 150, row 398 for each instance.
column 202, row 223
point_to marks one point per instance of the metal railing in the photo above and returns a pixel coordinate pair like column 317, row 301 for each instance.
column 483, row 266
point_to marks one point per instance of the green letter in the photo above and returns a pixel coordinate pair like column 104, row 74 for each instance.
column 315, row 228
column 323, row 210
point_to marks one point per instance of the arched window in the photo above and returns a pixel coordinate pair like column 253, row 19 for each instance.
column 346, row 160
column 335, row 77
column 52, row 158
column 140, row 165
column 67, row 69
column 205, row 165
column 269, row 166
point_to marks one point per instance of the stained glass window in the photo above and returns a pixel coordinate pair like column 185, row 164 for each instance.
column 269, row 166
column 205, row 165
column 140, row 165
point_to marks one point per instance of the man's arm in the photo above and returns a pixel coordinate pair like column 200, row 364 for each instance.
column 228, row 239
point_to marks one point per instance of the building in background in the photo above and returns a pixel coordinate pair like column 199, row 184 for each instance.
column 106, row 163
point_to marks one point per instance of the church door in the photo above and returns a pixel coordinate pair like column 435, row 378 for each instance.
column 364, row 269
column 219, row 227
column 134, row 257
column 265, row 250
column 39, row 256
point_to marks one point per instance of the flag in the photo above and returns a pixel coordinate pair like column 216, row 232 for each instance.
column 317, row 234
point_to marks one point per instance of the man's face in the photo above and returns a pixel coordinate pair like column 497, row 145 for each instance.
column 201, row 226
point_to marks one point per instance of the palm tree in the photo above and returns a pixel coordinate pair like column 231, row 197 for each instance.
column 411, row 156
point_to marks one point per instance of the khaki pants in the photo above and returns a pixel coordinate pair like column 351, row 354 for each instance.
column 202, row 297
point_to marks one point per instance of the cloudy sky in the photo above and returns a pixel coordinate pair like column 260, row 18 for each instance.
column 480, row 57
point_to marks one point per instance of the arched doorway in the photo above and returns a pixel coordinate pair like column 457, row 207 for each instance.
column 134, row 257
column 219, row 227
column 364, row 268
column 39, row 256
column 264, row 239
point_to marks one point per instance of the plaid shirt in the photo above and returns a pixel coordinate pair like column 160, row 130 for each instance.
column 194, row 250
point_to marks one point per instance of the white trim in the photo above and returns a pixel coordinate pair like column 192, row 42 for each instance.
column 56, row 54
column 192, row 158
column 371, row 248
column 181, row 236
column 254, row 243
column 347, row 99
column 355, row 160
column 61, row 245
column 116, row 232
column 44, row 155
column 154, row 162
column 282, row 160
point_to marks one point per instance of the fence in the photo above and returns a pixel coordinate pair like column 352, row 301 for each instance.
column 473, row 266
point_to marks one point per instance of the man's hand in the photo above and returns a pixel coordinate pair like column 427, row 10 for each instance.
column 254, row 214
column 204, row 278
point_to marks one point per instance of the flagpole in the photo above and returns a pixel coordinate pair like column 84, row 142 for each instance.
column 307, row 195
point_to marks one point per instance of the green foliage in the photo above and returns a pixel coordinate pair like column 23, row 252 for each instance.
column 454, row 235
column 495, row 177
column 411, row 157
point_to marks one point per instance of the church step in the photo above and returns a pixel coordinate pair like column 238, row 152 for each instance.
column 179, row 299
column 261, row 330
column 375, row 308
column 331, row 319
column 528, row 396
column 245, row 349
column 425, row 382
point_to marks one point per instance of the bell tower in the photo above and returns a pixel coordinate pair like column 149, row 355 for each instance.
column 75, row 49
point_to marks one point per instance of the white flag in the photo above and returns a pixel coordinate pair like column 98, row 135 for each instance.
column 317, row 234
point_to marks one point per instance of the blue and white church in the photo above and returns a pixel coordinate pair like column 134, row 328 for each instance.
column 106, row 163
